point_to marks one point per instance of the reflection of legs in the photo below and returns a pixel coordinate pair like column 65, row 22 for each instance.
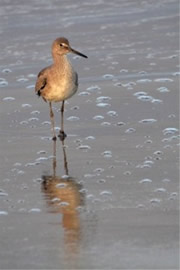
column 52, row 121
column 62, row 134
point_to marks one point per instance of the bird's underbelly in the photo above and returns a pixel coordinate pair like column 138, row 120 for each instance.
column 59, row 91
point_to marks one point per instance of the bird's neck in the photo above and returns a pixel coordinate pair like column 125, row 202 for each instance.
column 60, row 60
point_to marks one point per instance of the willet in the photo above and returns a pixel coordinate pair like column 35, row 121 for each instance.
column 58, row 82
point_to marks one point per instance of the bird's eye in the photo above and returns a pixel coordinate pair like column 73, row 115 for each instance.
column 61, row 45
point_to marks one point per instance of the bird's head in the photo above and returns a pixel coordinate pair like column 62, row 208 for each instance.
column 61, row 47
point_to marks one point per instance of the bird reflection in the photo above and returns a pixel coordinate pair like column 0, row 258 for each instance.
column 63, row 196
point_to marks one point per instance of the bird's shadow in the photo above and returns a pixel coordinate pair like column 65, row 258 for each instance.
column 63, row 195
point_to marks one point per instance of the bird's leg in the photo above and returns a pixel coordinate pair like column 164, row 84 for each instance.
column 62, row 135
column 52, row 121
column 54, row 158
column 65, row 158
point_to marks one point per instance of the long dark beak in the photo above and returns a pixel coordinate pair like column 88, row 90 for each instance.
column 78, row 53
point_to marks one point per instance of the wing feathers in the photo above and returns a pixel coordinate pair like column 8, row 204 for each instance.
column 41, row 82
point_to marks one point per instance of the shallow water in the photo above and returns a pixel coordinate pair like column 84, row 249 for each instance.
column 118, row 206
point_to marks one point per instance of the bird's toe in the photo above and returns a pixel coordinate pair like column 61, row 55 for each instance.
column 62, row 135
column 54, row 138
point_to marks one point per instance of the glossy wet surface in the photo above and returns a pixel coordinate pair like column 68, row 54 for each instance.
column 118, row 206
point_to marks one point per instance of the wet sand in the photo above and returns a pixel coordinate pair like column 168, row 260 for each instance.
column 118, row 209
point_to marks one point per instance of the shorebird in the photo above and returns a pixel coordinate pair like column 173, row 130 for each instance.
column 58, row 82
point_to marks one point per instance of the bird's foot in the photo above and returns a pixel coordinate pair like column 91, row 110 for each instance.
column 54, row 138
column 62, row 135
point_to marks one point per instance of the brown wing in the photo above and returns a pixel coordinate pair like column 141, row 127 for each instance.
column 41, row 81
column 76, row 79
